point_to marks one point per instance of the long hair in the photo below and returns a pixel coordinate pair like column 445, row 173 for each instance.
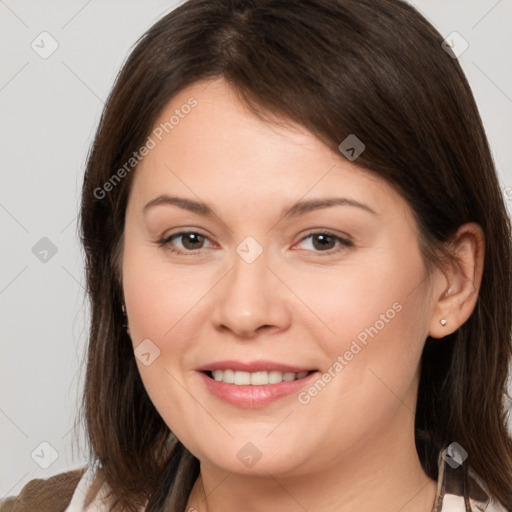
column 337, row 67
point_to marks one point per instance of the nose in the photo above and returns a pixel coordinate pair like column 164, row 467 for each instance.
column 251, row 299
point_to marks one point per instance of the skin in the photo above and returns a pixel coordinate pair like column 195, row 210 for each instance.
column 352, row 446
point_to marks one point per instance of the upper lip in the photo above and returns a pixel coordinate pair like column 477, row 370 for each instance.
column 252, row 366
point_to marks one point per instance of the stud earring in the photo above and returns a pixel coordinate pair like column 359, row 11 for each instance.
column 442, row 321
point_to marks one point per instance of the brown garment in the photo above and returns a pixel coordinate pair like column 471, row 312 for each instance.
column 44, row 494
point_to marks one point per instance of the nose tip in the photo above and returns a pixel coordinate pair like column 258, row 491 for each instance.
column 250, row 300
column 247, row 332
column 246, row 323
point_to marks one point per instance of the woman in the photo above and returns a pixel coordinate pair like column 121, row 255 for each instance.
column 299, row 264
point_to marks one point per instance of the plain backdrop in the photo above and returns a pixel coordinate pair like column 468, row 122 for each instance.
column 50, row 108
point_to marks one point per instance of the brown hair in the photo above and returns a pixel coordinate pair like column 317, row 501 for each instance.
column 336, row 67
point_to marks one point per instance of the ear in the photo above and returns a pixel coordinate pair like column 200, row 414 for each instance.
column 456, row 290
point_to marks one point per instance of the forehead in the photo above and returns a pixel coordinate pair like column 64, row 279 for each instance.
column 219, row 148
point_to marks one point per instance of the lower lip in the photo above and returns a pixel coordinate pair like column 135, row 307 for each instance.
column 249, row 396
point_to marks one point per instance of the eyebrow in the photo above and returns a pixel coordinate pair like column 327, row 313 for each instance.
column 299, row 208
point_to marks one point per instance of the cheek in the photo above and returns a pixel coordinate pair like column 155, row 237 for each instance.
column 361, row 299
column 375, row 317
column 372, row 360
column 160, row 303
column 167, row 313
column 159, row 296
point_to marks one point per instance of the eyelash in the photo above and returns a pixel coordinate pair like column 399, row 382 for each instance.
column 164, row 242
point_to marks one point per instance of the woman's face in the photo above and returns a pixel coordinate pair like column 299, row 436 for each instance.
column 244, row 287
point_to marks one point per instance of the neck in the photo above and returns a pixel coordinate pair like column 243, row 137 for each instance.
column 386, row 476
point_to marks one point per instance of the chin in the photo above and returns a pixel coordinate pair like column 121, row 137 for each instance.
column 256, row 457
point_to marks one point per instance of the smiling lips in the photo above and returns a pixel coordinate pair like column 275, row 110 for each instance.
column 251, row 385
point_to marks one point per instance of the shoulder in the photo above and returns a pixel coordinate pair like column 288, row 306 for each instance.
column 51, row 494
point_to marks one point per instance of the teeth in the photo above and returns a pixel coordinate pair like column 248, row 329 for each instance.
column 275, row 377
column 229, row 376
column 259, row 378
column 242, row 378
column 255, row 378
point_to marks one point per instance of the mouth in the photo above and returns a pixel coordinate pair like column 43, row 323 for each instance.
column 254, row 385
column 258, row 378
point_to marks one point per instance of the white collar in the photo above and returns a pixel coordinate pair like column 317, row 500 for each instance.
column 85, row 490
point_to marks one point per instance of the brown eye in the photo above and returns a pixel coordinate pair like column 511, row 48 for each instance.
column 326, row 243
column 323, row 242
column 190, row 241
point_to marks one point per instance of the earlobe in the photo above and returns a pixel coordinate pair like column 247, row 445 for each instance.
column 464, row 277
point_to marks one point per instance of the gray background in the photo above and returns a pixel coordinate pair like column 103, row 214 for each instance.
column 49, row 111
